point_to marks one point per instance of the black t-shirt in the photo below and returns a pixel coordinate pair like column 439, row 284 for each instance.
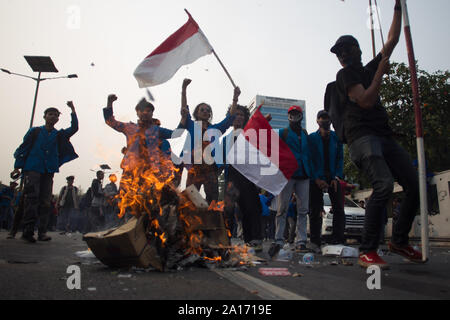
column 359, row 122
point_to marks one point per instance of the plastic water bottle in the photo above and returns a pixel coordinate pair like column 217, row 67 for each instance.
column 308, row 258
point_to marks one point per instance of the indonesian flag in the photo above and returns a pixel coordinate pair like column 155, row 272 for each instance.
column 183, row 47
column 262, row 156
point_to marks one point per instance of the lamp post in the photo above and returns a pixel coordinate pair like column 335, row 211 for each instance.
column 39, row 64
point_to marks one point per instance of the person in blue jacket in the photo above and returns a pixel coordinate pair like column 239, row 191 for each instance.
column 202, row 171
column 328, row 164
column 43, row 151
column 296, row 138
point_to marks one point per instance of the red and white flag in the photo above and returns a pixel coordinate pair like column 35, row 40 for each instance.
column 183, row 47
column 262, row 156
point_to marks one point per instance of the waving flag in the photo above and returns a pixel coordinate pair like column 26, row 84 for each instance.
column 183, row 47
column 262, row 156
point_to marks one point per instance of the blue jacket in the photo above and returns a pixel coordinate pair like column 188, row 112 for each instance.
column 336, row 152
column 265, row 205
column 301, row 152
column 190, row 127
column 48, row 151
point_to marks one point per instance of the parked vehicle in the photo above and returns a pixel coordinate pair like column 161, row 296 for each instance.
column 354, row 218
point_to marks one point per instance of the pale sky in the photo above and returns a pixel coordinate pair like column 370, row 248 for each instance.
column 270, row 47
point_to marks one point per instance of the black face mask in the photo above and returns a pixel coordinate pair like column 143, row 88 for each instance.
column 325, row 124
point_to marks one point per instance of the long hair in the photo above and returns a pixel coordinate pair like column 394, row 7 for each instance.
column 195, row 114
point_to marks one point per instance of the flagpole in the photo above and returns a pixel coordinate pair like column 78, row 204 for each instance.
column 419, row 134
column 372, row 29
column 215, row 54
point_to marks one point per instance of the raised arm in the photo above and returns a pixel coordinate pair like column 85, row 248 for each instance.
column 236, row 94
column 74, row 122
column 394, row 31
column 184, row 108
column 108, row 115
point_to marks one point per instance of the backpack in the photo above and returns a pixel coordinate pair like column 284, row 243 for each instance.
column 86, row 199
column 335, row 109
column 286, row 132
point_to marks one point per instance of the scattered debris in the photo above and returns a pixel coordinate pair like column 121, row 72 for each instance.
column 297, row 275
column 274, row 271
column 92, row 289
column 124, row 276
column 340, row 250
column 346, row 263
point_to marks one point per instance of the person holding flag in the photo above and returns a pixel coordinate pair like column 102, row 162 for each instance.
column 241, row 190
column 199, row 171
column 371, row 144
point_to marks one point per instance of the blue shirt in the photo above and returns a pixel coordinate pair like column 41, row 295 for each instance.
column 336, row 156
column 49, row 151
column 193, row 133
column 301, row 152
column 265, row 208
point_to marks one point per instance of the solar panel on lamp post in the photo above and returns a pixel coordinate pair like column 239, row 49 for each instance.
column 39, row 64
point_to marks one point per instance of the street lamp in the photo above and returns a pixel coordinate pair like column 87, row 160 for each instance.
column 39, row 64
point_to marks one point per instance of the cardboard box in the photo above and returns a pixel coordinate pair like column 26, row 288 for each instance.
column 124, row 246
column 212, row 226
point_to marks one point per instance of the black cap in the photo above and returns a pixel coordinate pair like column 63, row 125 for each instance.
column 322, row 113
column 70, row 178
column 344, row 40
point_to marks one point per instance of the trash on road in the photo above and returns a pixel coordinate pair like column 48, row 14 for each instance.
column 274, row 272
column 297, row 275
column 340, row 250
column 308, row 258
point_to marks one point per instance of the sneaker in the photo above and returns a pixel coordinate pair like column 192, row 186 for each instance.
column 301, row 248
column 314, row 248
column 408, row 252
column 372, row 259
column 28, row 237
column 274, row 249
column 44, row 237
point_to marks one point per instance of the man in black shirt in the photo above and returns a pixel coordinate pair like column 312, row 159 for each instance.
column 371, row 145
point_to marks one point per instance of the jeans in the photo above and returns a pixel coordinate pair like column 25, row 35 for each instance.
column 315, row 222
column 37, row 200
column 382, row 160
column 301, row 189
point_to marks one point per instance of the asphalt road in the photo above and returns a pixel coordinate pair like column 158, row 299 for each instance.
column 39, row 271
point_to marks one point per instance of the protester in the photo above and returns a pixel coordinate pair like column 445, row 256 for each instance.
column 52, row 221
column 268, row 218
column 96, row 217
column 297, row 139
column 291, row 220
column 247, row 195
column 371, row 144
column 110, row 204
column 43, row 151
column 327, row 156
column 145, row 145
column 199, row 171
column 7, row 196
column 273, row 207
column 68, row 206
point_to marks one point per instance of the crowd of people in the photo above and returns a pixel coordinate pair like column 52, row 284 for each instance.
column 250, row 213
